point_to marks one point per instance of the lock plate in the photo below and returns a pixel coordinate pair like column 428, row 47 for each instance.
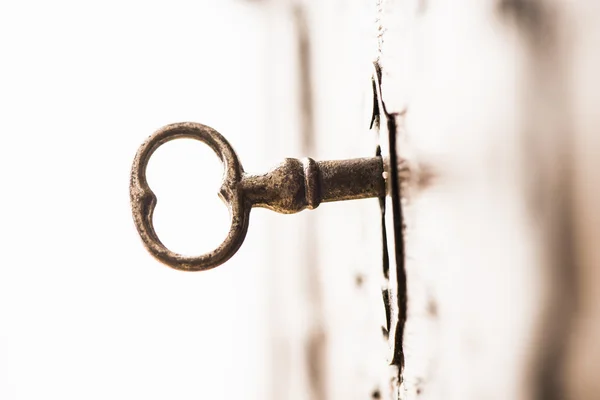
column 394, row 291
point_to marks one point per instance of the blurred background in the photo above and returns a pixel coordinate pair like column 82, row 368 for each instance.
column 85, row 311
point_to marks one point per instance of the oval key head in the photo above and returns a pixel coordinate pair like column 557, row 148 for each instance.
column 143, row 199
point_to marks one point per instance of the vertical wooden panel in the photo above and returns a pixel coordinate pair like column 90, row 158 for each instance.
column 583, row 359
column 494, row 107
column 342, row 303
column 292, row 319
column 497, row 129
column 349, row 238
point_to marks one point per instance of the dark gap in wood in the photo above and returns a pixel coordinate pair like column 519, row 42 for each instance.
column 550, row 186
column 375, row 120
column 398, row 358
column 534, row 19
column 384, row 249
column 388, row 312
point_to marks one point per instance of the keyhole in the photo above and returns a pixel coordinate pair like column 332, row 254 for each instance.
column 189, row 218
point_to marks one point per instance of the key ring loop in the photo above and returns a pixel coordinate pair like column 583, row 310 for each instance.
column 143, row 199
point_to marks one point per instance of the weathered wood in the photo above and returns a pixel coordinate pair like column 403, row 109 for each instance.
column 494, row 106
column 582, row 361
column 494, row 103
column 337, row 350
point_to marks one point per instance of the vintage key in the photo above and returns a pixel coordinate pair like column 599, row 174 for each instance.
column 290, row 187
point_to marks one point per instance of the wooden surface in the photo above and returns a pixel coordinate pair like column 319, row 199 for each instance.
column 327, row 308
column 498, row 131
column 495, row 106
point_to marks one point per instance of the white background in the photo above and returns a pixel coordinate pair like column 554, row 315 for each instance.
column 85, row 311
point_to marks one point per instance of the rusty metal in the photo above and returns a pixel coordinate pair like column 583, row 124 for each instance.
column 290, row 187
column 394, row 271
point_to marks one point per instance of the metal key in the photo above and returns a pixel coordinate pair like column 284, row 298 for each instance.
column 290, row 187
